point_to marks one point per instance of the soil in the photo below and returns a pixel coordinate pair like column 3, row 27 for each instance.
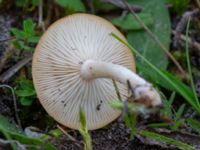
column 115, row 137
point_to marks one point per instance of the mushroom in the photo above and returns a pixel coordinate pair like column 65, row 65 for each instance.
column 73, row 66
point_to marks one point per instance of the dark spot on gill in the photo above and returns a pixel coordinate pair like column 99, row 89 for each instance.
column 98, row 107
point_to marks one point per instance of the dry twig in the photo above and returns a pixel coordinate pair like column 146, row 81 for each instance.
column 197, row 3
column 121, row 5
column 10, row 72
column 40, row 18
column 70, row 137
column 182, row 24
column 5, row 40
column 191, row 42
column 14, row 102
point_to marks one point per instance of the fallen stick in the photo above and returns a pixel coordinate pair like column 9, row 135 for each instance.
column 191, row 42
column 10, row 72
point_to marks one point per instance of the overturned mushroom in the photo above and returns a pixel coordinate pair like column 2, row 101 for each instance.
column 73, row 65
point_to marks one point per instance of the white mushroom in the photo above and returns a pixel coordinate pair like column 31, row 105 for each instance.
column 73, row 65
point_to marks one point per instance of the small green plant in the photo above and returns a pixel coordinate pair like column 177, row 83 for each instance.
column 84, row 131
column 173, row 118
column 178, row 121
column 26, row 92
column 25, row 39
column 72, row 5
column 179, row 5
column 130, row 111
column 27, row 5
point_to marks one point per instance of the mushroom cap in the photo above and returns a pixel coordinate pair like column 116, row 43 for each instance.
column 56, row 70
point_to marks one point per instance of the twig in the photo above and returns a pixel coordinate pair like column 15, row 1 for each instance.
column 40, row 18
column 125, row 107
column 10, row 72
column 70, row 137
column 121, row 5
column 182, row 24
column 5, row 56
column 155, row 38
column 197, row 3
column 191, row 42
column 14, row 102
column 5, row 40
column 117, row 90
column 90, row 5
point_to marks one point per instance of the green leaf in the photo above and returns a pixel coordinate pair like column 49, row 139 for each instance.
column 75, row 5
column 13, row 132
column 34, row 39
column 6, row 125
column 179, row 112
column 29, row 27
column 25, row 83
column 35, row 2
column 177, row 124
column 142, row 41
column 7, row 136
column 159, row 137
column 168, row 106
column 180, row 6
column 17, row 33
column 33, row 142
column 17, row 44
column 26, row 92
column 194, row 124
column 20, row 3
column 130, row 23
column 26, row 101
column 103, row 7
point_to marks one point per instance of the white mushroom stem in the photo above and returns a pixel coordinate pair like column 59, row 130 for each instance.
column 142, row 89
column 97, row 69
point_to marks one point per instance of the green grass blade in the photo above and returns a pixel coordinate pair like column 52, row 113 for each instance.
column 168, row 107
column 189, row 66
column 194, row 124
column 159, row 137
